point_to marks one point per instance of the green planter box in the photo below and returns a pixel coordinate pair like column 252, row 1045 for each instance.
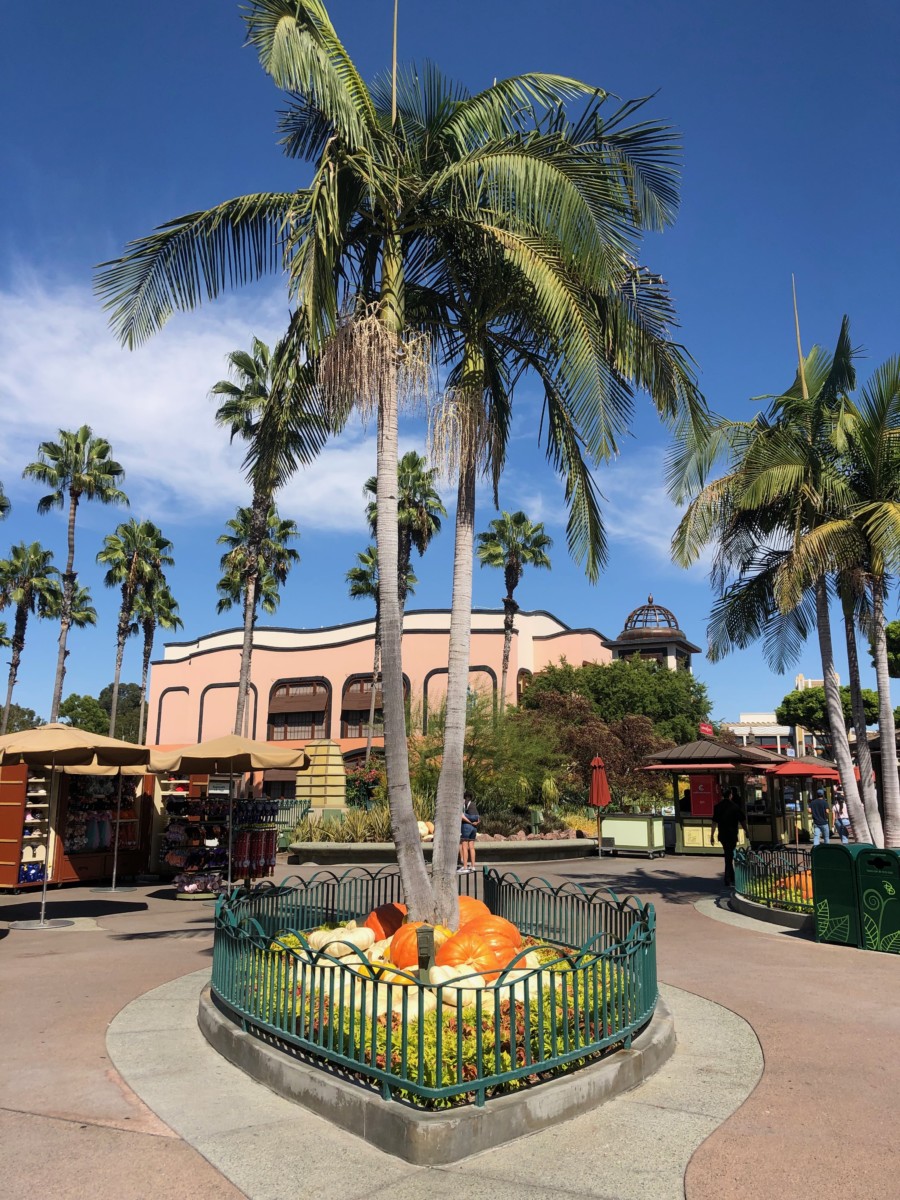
column 836, row 893
column 878, row 881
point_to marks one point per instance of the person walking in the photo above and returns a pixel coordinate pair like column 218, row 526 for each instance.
column 841, row 815
column 818, row 810
column 727, row 819
column 468, row 832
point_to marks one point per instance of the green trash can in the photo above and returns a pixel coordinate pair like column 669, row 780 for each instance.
column 878, row 881
column 836, row 894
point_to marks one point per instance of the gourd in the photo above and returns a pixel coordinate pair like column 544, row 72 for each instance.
column 499, row 925
column 404, row 950
column 423, row 829
column 379, row 950
column 470, row 908
column 385, row 920
column 384, row 972
column 456, row 982
column 486, row 953
column 340, row 942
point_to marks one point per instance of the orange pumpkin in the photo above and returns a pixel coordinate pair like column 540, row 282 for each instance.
column 486, row 953
column 404, row 949
column 385, row 920
column 498, row 925
column 470, row 908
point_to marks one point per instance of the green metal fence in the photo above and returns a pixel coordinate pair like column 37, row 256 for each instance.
column 588, row 985
column 779, row 878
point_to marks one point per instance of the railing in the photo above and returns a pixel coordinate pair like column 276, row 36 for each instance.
column 779, row 878
column 586, row 983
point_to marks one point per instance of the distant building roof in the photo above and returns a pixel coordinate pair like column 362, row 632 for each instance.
column 651, row 622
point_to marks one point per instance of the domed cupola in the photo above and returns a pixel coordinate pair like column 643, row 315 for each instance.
column 652, row 633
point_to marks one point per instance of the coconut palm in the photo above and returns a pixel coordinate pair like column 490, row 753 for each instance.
column 419, row 512
column 4, row 504
column 511, row 543
column 134, row 555
column 784, row 481
column 271, row 403
column 254, row 571
column 363, row 581
column 28, row 582
column 77, row 467
column 864, row 538
column 154, row 608
column 402, row 168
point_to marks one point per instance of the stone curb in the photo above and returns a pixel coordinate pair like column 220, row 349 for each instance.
column 772, row 916
column 435, row 1138
column 343, row 853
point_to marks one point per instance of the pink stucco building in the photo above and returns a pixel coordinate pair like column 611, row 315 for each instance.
column 316, row 683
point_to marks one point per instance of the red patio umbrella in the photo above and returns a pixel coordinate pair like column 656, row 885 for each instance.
column 600, row 796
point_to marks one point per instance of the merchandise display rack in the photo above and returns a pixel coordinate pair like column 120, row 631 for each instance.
column 35, row 850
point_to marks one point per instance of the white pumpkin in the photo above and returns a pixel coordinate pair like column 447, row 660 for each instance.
column 341, row 942
column 461, row 980
column 378, row 951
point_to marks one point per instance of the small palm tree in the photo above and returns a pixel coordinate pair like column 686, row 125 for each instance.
column 28, row 582
column 271, row 402
column 363, row 580
column 254, row 574
column 154, row 608
column 511, row 543
column 419, row 512
column 134, row 557
column 77, row 467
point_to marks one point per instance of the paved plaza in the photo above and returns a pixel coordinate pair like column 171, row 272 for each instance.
column 783, row 1083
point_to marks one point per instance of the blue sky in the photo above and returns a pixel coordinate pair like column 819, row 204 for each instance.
column 122, row 116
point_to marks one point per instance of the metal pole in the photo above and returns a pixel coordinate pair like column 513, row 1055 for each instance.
column 116, row 844
column 230, row 820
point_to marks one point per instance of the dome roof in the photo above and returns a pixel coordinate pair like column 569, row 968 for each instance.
column 649, row 620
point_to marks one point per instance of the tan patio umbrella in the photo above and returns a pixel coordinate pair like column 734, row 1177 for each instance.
column 57, row 746
column 231, row 755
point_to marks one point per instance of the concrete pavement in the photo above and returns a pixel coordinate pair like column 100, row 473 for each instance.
column 819, row 1120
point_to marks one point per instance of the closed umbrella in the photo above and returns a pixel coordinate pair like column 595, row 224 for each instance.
column 600, row 797
column 57, row 746
column 231, row 755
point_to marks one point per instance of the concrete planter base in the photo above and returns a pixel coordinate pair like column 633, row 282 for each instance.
column 328, row 853
column 773, row 916
column 433, row 1138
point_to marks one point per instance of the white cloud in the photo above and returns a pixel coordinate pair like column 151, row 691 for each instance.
column 60, row 367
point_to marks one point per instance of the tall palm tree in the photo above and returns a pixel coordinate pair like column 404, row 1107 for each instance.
column 784, row 482
column 254, row 571
column 77, row 467
column 154, row 608
column 28, row 582
column 363, row 581
column 134, row 556
column 4, row 504
column 864, row 537
column 271, row 403
column 511, row 543
column 400, row 168
column 419, row 512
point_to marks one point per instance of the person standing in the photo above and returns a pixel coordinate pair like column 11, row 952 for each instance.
column 468, row 832
column 818, row 810
column 727, row 819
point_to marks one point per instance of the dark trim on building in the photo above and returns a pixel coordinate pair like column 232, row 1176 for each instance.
column 367, row 675
column 210, row 687
column 162, row 695
column 473, row 668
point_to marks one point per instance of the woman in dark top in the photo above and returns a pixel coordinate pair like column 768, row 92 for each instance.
column 468, row 832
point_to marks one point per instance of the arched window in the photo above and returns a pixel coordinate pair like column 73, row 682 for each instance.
column 299, row 709
column 355, row 703
column 523, row 679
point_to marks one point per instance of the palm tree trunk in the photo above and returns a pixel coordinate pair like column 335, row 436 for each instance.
column 149, row 631
column 404, row 828
column 835, row 710
column 18, row 645
column 510, row 608
column 863, row 754
column 376, row 667
column 890, row 781
column 246, row 654
column 121, row 636
column 449, row 800
column 65, row 617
